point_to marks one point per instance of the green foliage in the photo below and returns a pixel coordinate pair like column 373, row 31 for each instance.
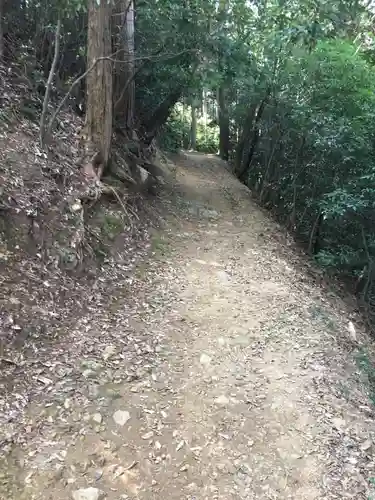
column 316, row 151
column 111, row 225
column 176, row 133
column 367, row 370
column 207, row 139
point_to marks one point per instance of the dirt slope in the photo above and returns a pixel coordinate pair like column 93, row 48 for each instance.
column 222, row 373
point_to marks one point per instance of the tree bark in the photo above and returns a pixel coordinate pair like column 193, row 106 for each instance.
column 205, row 113
column 223, row 117
column 123, row 30
column 99, row 85
column 254, row 134
column 160, row 115
column 193, row 128
column 1, row 30
column 246, row 130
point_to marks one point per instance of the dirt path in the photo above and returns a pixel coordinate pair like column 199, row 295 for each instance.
column 231, row 379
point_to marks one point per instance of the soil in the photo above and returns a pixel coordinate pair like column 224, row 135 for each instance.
column 223, row 371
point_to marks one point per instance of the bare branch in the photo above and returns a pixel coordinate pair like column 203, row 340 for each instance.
column 130, row 79
column 43, row 134
column 107, row 58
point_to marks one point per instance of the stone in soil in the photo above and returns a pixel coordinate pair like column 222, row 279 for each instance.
column 121, row 417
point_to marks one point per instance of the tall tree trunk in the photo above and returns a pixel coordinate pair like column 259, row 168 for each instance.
column 193, row 128
column 252, row 136
column 205, row 113
column 223, row 124
column 160, row 115
column 185, row 137
column 123, row 30
column 98, row 125
column 223, row 116
column 244, row 137
column 1, row 29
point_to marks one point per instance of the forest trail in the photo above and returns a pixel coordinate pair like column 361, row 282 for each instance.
column 237, row 382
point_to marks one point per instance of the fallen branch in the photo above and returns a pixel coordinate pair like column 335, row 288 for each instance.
column 8, row 361
column 78, row 240
column 106, row 188
column 93, row 233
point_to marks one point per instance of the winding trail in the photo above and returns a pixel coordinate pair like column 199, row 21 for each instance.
column 240, row 383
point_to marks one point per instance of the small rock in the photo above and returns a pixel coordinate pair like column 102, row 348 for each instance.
column 205, row 359
column 222, row 400
column 366, row 445
column 88, row 494
column 339, row 423
column 121, row 417
column 97, row 418
column 94, row 391
column 98, row 474
column 91, row 364
column 209, row 214
column 143, row 174
column 58, row 475
column 352, row 332
column 223, row 276
column 109, row 351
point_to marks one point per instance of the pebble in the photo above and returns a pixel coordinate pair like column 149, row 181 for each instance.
column 88, row 373
column 97, row 418
column 88, row 494
column 109, row 351
column 222, row 400
column 205, row 359
column 121, row 417
column 98, row 474
column 339, row 423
